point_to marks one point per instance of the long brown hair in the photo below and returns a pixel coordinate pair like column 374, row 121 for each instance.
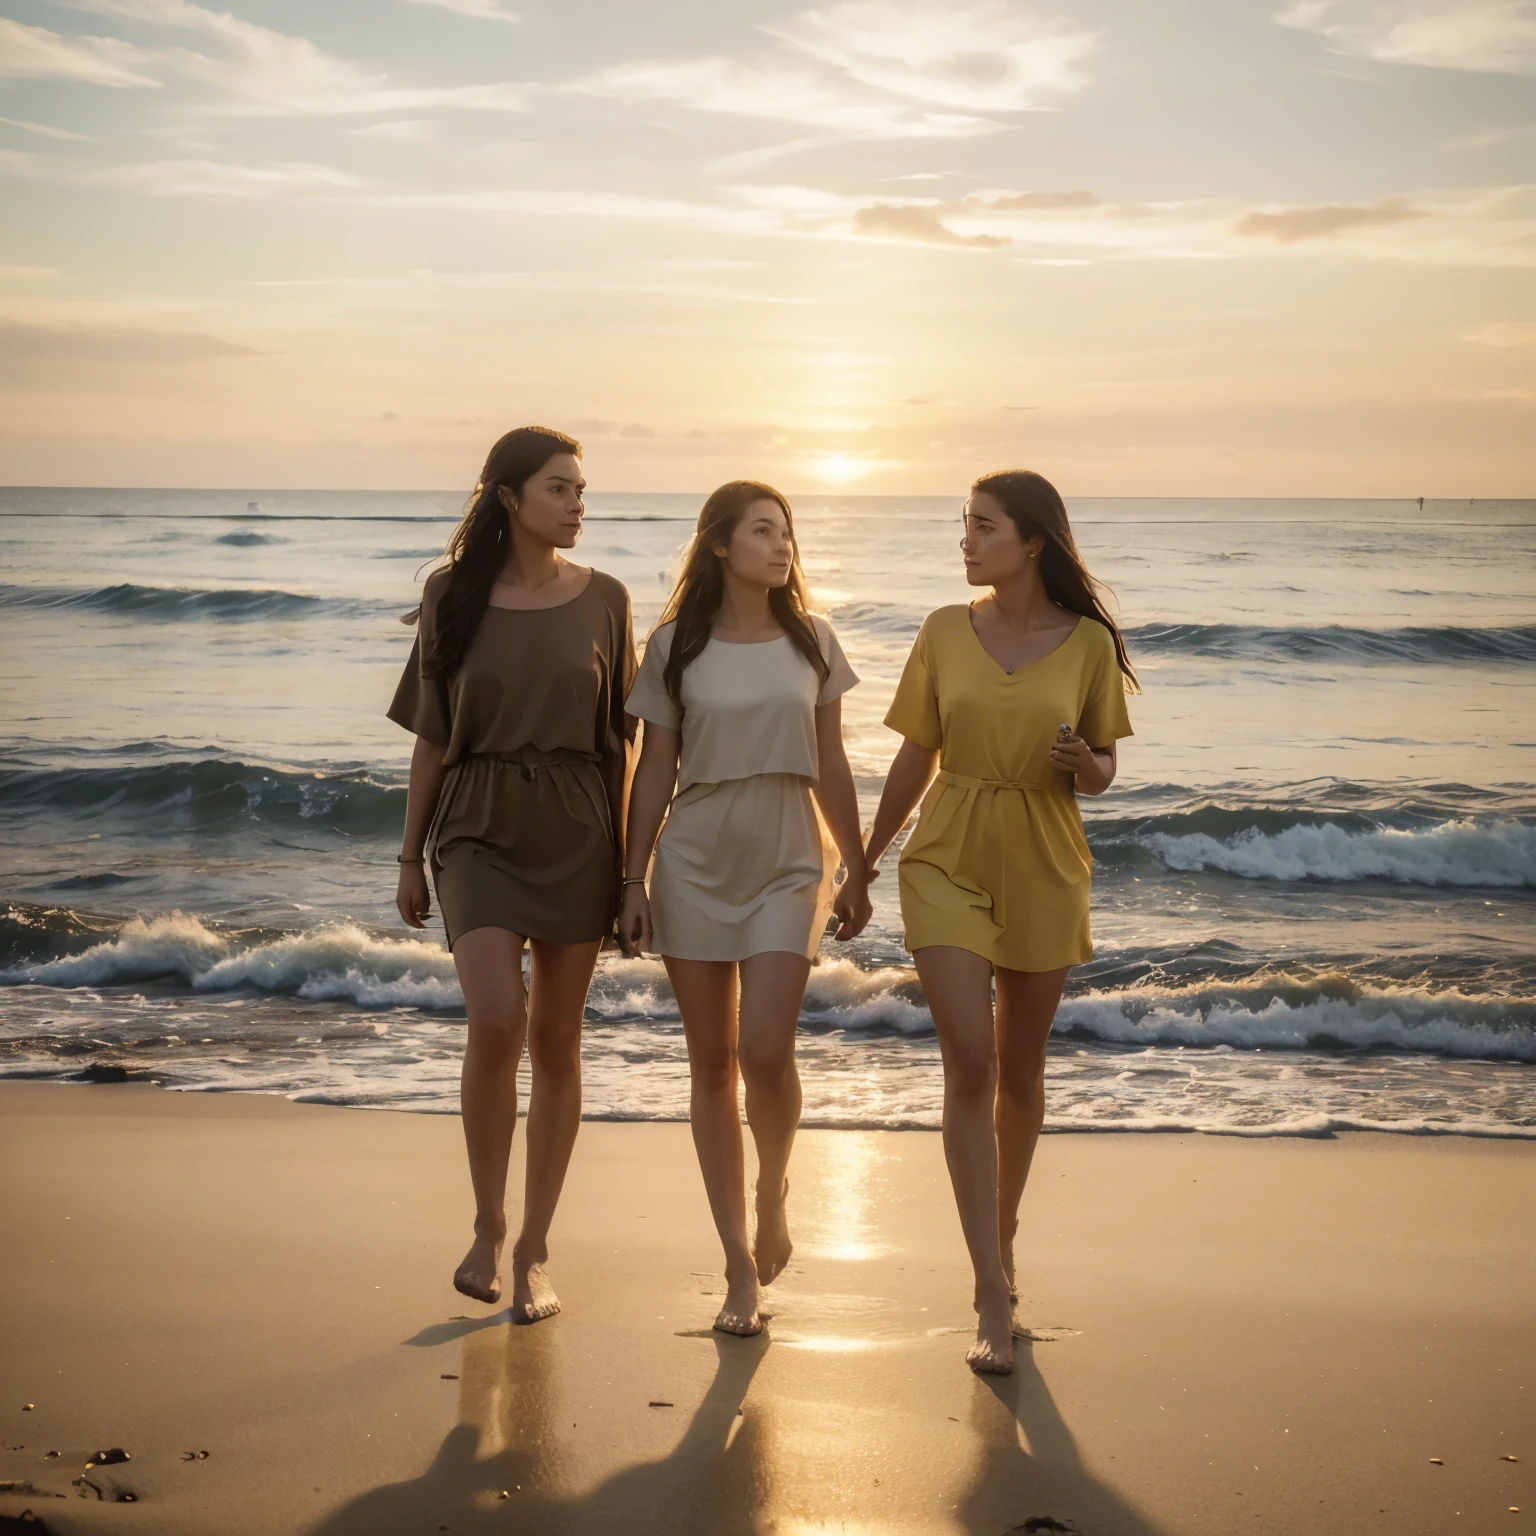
column 1035, row 506
column 477, row 549
column 695, row 600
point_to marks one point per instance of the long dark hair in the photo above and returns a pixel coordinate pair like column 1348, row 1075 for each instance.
column 695, row 600
column 477, row 550
column 1035, row 505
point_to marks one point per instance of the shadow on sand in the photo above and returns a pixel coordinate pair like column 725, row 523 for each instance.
column 1030, row 1475
column 711, row 1482
column 517, row 1438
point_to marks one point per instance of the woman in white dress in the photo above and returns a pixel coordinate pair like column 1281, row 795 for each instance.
column 740, row 691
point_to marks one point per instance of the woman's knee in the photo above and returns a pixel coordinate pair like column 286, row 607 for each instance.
column 496, row 1035
column 970, row 1071
column 1022, row 1077
column 555, row 1053
column 713, row 1071
column 766, row 1066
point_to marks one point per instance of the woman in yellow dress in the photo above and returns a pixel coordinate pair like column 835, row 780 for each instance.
column 1011, row 707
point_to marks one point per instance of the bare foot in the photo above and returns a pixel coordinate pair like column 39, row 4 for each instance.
column 533, row 1297
column 479, row 1276
column 771, row 1248
column 992, row 1353
column 742, row 1312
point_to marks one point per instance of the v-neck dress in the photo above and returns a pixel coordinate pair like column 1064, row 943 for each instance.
column 523, row 836
column 745, row 863
column 998, row 863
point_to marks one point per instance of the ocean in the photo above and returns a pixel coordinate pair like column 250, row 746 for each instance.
column 1315, row 877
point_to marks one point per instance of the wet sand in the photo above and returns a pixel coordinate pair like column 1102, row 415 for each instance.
column 1235, row 1336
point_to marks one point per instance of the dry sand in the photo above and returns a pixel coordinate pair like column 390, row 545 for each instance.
column 1245, row 1336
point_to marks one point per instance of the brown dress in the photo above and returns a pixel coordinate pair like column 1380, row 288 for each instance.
column 523, row 837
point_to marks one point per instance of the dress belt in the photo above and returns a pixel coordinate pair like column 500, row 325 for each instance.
column 529, row 760
column 964, row 781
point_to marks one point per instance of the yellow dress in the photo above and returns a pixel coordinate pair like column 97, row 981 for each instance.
column 998, row 863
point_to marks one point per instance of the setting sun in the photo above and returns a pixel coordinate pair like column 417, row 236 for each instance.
column 839, row 469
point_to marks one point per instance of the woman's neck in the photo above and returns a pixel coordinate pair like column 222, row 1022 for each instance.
column 744, row 608
column 530, row 562
column 1022, row 600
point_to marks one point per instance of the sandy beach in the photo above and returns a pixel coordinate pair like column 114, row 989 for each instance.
column 1231, row 1335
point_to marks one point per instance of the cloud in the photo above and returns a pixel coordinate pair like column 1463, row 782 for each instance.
column 982, row 57
column 397, row 128
column 895, row 221
column 777, row 90
column 1503, row 333
column 1488, row 36
column 35, row 53
column 634, row 429
column 1036, row 202
column 481, row 10
column 275, row 73
column 43, row 130
column 23, row 344
column 1286, row 226
column 871, row 69
column 214, row 178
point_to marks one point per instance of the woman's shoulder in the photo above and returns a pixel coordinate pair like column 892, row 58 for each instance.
column 945, row 621
column 1096, row 639
column 432, row 590
column 610, row 589
column 660, row 638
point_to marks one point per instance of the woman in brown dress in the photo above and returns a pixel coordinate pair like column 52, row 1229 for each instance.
column 515, row 692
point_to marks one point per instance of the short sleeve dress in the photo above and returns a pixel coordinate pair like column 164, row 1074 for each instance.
column 998, row 863
column 523, row 837
column 745, row 864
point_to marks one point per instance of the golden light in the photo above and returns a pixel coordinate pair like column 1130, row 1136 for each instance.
column 839, row 469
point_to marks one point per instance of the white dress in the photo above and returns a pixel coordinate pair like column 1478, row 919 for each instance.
column 745, row 863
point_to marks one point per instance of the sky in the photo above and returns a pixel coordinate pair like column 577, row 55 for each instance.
column 1148, row 247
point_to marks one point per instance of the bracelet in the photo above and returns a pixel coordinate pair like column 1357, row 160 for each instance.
column 632, row 880
column 400, row 858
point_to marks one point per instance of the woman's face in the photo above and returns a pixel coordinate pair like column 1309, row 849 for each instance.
column 995, row 552
column 762, row 549
column 550, row 508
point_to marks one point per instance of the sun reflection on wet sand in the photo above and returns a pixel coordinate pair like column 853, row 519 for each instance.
column 836, row 1221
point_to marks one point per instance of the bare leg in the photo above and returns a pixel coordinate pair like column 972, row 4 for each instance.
column 489, row 963
column 772, row 989
column 1026, row 1005
column 958, row 986
column 706, row 992
column 562, row 973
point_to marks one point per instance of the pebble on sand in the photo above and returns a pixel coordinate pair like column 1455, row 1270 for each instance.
column 28, row 1407
column 1435, row 1461
column 1509, row 1458
column 115, row 1457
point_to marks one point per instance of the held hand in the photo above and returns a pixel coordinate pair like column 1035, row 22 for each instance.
column 634, row 923
column 412, row 897
column 1073, row 755
column 851, row 906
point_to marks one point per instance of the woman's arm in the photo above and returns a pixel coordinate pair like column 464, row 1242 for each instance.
column 839, row 803
column 412, row 896
column 911, row 772
column 1093, row 768
column 650, row 793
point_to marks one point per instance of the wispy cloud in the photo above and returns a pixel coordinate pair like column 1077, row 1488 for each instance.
column 1286, row 226
column 986, row 57
column 1488, row 36
column 396, row 128
column 275, row 73
column 35, row 53
column 872, row 69
column 24, row 343
column 481, row 10
column 916, row 225
column 221, row 179
column 44, row 130
column 1503, row 333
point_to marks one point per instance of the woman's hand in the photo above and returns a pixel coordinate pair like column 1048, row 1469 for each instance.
column 851, row 905
column 412, row 896
column 1093, row 771
column 634, row 924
